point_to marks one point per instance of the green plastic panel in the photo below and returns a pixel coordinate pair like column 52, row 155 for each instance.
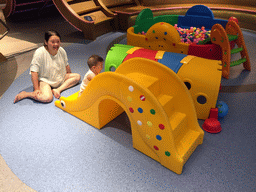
column 116, row 55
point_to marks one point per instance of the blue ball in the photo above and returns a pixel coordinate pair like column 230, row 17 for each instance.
column 222, row 108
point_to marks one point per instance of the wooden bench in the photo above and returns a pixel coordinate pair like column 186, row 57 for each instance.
column 119, row 5
column 84, row 7
column 98, row 17
column 75, row 11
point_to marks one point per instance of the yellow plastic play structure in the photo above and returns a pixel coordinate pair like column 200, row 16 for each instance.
column 170, row 42
column 159, row 33
column 201, row 76
column 156, row 39
column 159, row 106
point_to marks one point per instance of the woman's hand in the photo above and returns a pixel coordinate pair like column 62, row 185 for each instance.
column 68, row 69
column 35, row 81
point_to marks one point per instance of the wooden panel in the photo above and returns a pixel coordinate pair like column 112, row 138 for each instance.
column 110, row 3
column 97, row 17
column 84, row 7
column 76, row 1
column 173, row 2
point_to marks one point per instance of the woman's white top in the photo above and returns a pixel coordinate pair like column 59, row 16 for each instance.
column 50, row 69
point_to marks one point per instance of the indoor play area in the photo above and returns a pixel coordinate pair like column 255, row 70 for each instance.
column 172, row 110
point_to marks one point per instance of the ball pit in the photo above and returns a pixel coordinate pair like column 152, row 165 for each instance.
column 190, row 36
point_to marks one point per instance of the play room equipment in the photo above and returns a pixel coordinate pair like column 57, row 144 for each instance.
column 77, row 12
column 201, row 76
column 160, row 34
column 160, row 109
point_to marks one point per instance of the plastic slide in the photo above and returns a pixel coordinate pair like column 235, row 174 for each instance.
column 160, row 109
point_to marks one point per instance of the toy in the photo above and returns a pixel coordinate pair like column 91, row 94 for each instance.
column 222, row 109
column 212, row 125
column 160, row 34
column 159, row 106
column 201, row 76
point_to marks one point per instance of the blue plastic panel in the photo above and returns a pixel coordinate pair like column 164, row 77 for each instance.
column 172, row 60
column 198, row 16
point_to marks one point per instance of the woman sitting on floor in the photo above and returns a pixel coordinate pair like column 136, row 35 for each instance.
column 50, row 71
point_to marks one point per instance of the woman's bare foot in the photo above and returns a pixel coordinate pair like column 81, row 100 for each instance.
column 56, row 93
column 20, row 96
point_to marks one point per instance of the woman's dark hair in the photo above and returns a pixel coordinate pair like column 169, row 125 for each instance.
column 50, row 33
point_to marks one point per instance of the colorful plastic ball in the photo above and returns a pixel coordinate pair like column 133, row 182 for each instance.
column 223, row 109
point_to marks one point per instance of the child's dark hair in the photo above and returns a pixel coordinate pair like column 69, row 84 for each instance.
column 93, row 60
column 50, row 33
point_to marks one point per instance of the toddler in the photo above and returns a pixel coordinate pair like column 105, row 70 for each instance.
column 95, row 64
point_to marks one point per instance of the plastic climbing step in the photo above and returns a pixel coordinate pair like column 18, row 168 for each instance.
column 177, row 119
column 143, row 79
column 232, row 37
column 205, row 41
column 166, row 101
column 185, row 139
column 237, row 62
column 178, row 122
column 188, row 143
column 237, row 50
